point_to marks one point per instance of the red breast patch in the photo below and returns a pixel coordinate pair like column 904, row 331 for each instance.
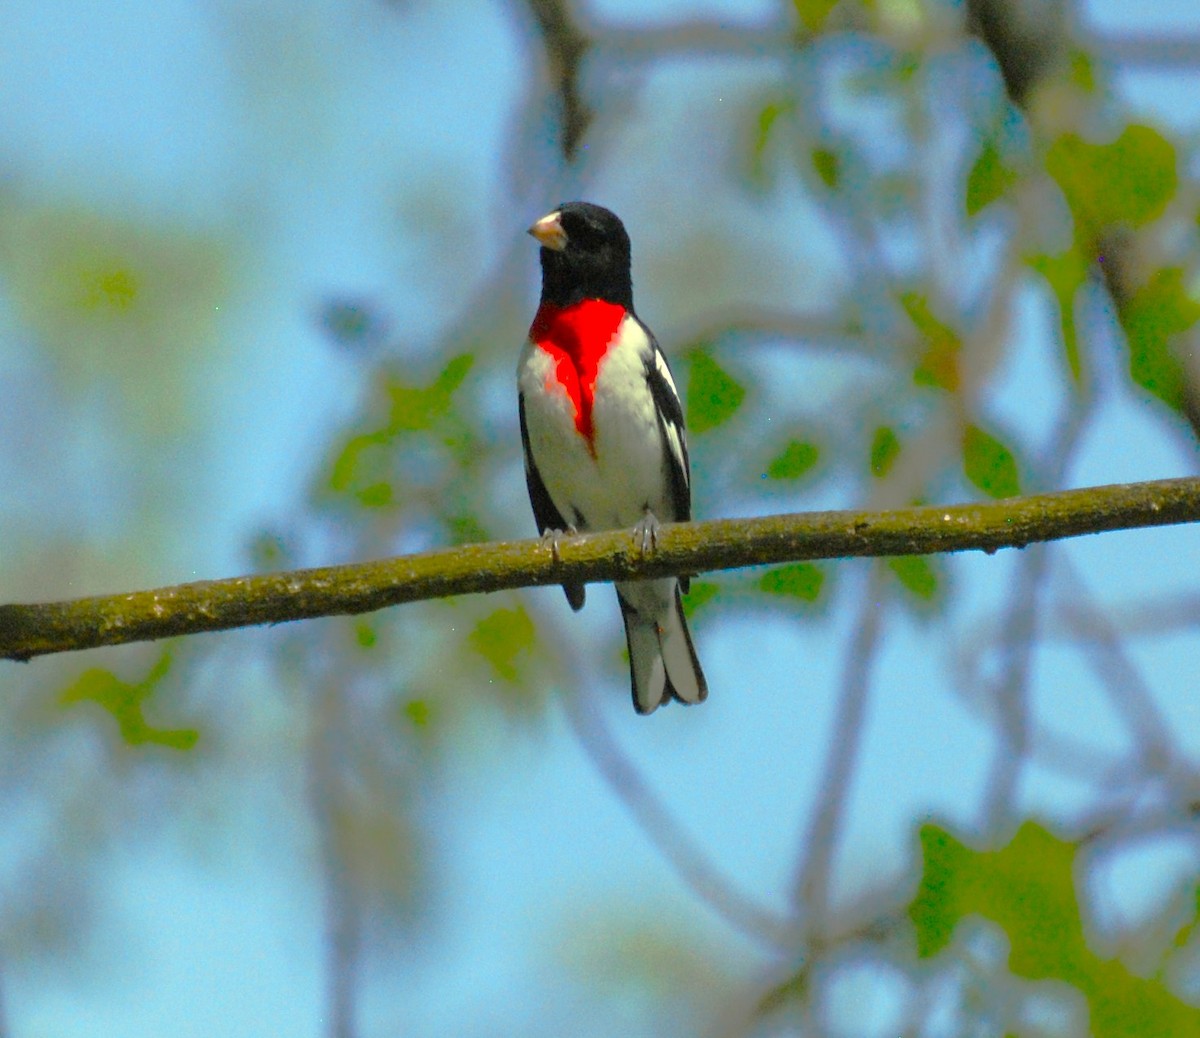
column 577, row 337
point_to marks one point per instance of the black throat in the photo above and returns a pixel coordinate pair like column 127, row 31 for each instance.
column 573, row 275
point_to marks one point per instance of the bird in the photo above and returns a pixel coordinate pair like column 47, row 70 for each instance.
column 603, row 435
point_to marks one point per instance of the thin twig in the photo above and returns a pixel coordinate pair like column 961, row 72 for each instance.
column 1163, row 51
column 1128, row 691
column 820, row 840
column 673, row 842
column 1010, row 696
column 1161, row 617
column 5, row 1031
column 697, row 38
column 341, row 902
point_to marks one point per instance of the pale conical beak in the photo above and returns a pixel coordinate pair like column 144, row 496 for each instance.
column 548, row 230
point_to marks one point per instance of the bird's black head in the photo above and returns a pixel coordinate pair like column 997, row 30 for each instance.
column 585, row 255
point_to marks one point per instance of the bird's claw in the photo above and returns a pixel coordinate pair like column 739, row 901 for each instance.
column 552, row 539
column 645, row 533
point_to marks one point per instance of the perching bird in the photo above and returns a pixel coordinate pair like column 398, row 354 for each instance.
column 602, row 429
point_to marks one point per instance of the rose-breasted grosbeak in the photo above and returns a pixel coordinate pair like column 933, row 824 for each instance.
column 602, row 428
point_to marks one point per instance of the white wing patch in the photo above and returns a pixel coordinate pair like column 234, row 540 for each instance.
column 660, row 362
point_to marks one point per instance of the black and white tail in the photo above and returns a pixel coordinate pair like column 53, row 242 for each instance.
column 662, row 660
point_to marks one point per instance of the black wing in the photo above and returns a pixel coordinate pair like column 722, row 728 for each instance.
column 674, row 436
column 545, row 514
column 669, row 409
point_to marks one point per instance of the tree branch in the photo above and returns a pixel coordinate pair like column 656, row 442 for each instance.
column 217, row 605
column 774, row 931
column 811, row 893
column 566, row 45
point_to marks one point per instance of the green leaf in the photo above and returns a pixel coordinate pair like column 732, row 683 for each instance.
column 713, row 394
column 766, row 120
column 345, row 470
column 363, row 468
column 700, row 594
column 466, row 529
column 418, row 712
column 989, row 465
column 415, row 408
column 453, row 375
column 376, row 495
column 989, row 178
column 102, row 295
column 813, row 13
column 937, row 907
column 908, row 62
column 1065, row 274
column 1184, row 934
column 885, row 448
column 359, row 470
column 828, row 166
column 801, row 580
column 1028, row 889
column 1157, row 312
column 916, row 574
column 938, row 365
column 768, row 116
column 1082, row 70
column 797, row 458
column 365, row 634
column 501, row 636
column 125, row 701
column 1127, row 181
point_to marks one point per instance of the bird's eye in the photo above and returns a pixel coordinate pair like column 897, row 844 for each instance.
column 580, row 231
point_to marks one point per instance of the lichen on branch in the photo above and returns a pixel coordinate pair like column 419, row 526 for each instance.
column 36, row 629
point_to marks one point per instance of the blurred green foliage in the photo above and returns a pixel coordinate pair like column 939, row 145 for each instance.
column 127, row 303
column 1129, row 180
column 1065, row 273
column 713, row 395
column 700, row 594
column 802, row 580
column 795, row 460
column 988, row 464
column 917, row 575
column 1028, row 889
column 759, row 170
column 828, row 166
column 502, row 637
column 989, row 178
column 365, row 467
column 126, row 702
column 885, row 449
column 813, row 13
column 418, row 712
column 1152, row 317
column 938, row 364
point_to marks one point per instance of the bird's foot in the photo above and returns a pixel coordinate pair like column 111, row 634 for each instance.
column 645, row 533
column 552, row 539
